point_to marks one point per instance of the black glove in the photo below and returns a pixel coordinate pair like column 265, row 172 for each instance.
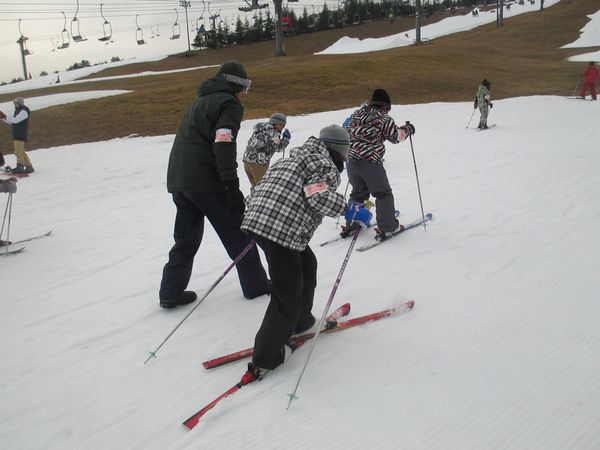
column 234, row 199
column 409, row 129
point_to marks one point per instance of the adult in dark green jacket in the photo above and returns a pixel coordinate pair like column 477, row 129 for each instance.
column 202, row 178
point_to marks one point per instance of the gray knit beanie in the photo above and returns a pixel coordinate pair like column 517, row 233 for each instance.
column 20, row 101
column 278, row 118
column 336, row 138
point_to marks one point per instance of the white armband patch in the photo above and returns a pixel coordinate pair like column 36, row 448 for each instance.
column 276, row 140
column 315, row 188
column 224, row 135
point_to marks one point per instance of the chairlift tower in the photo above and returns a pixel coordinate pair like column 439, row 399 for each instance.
column 418, row 22
column 185, row 5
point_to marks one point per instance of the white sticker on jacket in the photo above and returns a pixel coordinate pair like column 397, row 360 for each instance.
column 315, row 188
column 224, row 135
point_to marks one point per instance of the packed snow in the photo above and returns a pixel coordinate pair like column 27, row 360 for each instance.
column 449, row 25
column 500, row 351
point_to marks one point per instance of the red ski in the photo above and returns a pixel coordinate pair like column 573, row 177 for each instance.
column 298, row 341
column 331, row 322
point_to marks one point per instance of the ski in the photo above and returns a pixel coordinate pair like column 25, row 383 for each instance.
column 414, row 224
column 11, row 252
column 193, row 420
column 330, row 322
column 489, row 126
column 339, row 238
column 48, row 233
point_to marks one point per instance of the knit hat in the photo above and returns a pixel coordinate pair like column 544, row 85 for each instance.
column 278, row 118
column 234, row 73
column 336, row 138
column 380, row 98
column 486, row 83
column 20, row 101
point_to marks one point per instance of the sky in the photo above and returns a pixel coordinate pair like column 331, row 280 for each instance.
column 500, row 351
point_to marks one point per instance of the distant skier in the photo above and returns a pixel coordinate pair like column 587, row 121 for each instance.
column 19, row 123
column 369, row 127
column 590, row 75
column 267, row 138
column 283, row 212
column 483, row 100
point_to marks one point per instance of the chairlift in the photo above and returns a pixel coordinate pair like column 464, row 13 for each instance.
column 368, row 16
column 21, row 41
column 176, row 27
column 75, row 33
column 64, row 34
column 356, row 19
column 139, row 33
column 106, row 28
column 330, row 21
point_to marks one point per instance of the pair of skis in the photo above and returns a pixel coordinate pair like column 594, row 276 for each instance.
column 18, row 250
column 332, row 326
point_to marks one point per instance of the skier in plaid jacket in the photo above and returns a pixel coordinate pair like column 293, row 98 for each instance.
column 267, row 139
column 283, row 212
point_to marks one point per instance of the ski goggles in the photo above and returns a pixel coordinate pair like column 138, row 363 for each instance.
column 238, row 80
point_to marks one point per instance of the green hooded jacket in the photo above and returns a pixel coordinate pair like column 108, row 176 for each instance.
column 197, row 163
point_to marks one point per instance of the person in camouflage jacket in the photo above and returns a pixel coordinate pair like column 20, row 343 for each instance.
column 283, row 212
column 369, row 127
column 267, row 139
column 483, row 101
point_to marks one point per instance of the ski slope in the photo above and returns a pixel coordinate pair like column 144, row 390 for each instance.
column 501, row 351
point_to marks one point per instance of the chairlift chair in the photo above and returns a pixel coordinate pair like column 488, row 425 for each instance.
column 64, row 34
column 75, row 33
column 176, row 28
column 356, row 19
column 139, row 33
column 106, row 28
column 330, row 21
column 22, row 41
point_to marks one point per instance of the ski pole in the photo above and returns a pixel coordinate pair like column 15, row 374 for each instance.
column 576, row 86
column 292, row 396
column 7, row 213
column 471, row 118
column 417, row 175
column 337, row 222
column 233, row 263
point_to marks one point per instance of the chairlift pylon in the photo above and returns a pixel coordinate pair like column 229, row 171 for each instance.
column 64, row 34
column 139, row 33
column 22, row 41
column 75, row 33
column 106, row 28
column 176, row 28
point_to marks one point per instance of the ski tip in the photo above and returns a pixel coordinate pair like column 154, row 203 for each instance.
column 345, row 309
column 410, row 304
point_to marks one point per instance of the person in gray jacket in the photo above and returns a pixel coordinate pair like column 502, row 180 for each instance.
column 202, row 178
column 267, row 139
column 283, row 212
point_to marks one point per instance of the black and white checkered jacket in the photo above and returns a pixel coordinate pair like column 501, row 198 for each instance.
column 369, row 128
column 290, row 201
column 263, row 143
